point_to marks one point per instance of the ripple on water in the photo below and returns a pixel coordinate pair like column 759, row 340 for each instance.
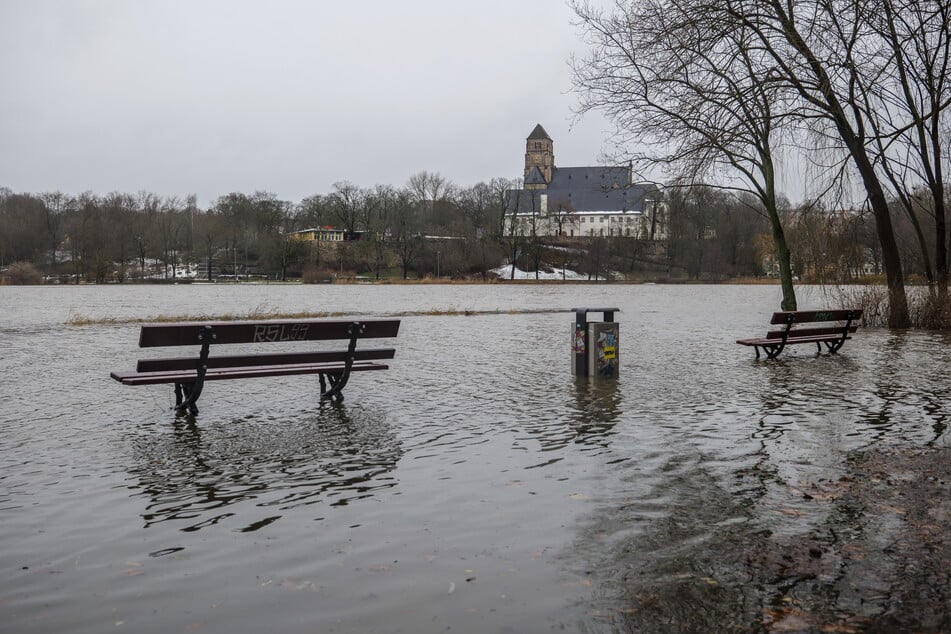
column 334, row 455
column 476, row 484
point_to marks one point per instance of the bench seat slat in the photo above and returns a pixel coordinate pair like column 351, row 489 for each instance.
column 812, row 332
column 288, row 358
column 772, row 341
column 218, row 374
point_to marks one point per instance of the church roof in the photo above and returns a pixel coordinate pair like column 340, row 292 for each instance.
column 538, row 133
column 600, row 189
column 597, row 177
column 624, row 199
column 585, row 189
column 535, row 177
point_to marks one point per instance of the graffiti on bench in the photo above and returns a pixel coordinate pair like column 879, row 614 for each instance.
column 280, row 332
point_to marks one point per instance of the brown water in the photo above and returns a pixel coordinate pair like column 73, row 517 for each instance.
column 474, row 487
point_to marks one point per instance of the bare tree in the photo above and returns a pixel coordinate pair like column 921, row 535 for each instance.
column 23, row 229
column 380, row 210
column 286, row 248
column 562, row 213
column 480, row 208
column 595, row 258
column 696, row 92
column 908, row 111
column 346, row 205
column 500, row 190
column 56, row 205
column 826, row 53
column 171, row 229
column 147, row 243
column 514, row 237
column 406, row 231
column 314, row 211
column 119, row 210
column 428, row 187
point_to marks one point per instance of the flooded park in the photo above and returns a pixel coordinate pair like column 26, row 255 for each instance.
column 476, row 485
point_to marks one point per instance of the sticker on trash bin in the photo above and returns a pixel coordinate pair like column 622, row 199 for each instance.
column 577, row 341
column 607, row 345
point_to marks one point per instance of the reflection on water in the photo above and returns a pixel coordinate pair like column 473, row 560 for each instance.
column 587, row 420
column 668, row 572
column 334, row 455
column 596, row 408
column 597, row 403
column 476, row 485
column 897, row 397
column 769, row 538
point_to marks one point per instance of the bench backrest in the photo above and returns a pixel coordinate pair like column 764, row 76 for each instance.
column 801, row 323
column 187, row 334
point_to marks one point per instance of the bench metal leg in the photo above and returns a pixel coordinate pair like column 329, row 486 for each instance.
column 186, row 394
column 771, row 351
column 338, row 380
column 337, row 383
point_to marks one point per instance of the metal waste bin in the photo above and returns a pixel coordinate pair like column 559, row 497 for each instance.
column 594, row 344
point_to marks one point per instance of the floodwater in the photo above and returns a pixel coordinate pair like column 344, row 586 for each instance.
column 474, row 487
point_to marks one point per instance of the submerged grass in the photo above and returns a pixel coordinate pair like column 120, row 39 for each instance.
column 257, row 314
column 927, row 309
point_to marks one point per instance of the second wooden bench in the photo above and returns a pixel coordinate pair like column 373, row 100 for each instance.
column 189, row 373
column 821, row 327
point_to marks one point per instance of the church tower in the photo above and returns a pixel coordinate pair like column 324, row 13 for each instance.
column 539, row 159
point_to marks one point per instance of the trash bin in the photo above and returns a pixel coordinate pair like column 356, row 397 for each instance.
column 594, row 344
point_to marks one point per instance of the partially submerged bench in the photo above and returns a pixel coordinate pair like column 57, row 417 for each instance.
column 821, row 327
column 189, row 373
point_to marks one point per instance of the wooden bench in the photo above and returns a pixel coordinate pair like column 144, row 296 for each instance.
column 821, row 327
column 189, row 373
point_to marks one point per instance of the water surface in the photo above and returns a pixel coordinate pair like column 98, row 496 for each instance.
column 475, row 486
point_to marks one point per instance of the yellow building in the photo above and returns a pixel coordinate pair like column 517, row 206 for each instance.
column 320, row 234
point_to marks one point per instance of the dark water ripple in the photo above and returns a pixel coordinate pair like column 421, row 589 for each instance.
column 476, row 485
column 334, row 456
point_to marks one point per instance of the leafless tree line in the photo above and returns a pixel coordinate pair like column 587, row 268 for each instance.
column 720, row 92
column 115, row 237
column 713, row 235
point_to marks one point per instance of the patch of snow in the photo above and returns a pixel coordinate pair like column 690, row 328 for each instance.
column 505, row 273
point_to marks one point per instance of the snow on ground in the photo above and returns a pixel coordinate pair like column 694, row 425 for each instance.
column 505, row 273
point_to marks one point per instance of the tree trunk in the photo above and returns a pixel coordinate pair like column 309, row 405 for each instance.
column 779, row 237
column 897, row 299
column 898, row 316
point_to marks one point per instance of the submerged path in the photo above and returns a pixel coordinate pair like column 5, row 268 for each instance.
column 877, row 558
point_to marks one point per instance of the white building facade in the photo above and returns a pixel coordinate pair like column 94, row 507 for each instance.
column 581, row 201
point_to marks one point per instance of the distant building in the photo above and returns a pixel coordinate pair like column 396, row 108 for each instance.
column 320, row 234
column 581, row 201
column 328, row 234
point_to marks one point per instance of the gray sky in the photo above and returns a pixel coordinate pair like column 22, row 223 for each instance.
column 289, row 96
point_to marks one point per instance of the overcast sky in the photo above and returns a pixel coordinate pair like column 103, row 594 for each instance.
column 208, row 97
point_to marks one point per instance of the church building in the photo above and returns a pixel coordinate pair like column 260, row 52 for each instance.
column 581, row 201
